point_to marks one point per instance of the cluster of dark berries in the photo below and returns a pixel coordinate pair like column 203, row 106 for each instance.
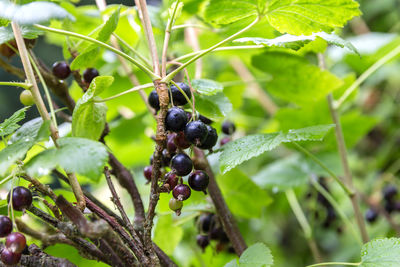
column 391, row 204
column 62, row 71
column 228, row 128
column 15, row 242
column 210, row 228
column 177, row 98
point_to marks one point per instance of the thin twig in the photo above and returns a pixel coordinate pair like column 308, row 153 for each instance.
column 343, row 157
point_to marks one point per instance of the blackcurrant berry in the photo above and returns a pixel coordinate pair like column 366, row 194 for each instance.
column 5, row 226
column 89, row 74
column 181, row 141
column 171, row 146
column 196, row 132
column 371, row 215
column 154, row 101
column 148, row 172
column 389, row 192
column 61, row 70
column 198, row 180
column 171, row 180
column 205, row 222
column 176, row 119
column 225, row 140
column 21, row 198
column 26, row 98
column 181, row 164
column 177, row 96
column 228, row 127
column 205, row 119
column 175, row 205
column 181, row 192
column 16, row 242
column 390, row 206
column 202, row 241
column 211, row 140
column 10, row 258
column 217, row 233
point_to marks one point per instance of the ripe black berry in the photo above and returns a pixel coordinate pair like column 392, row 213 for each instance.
column 175, row 205
column 5, row 226
column 147, row 172
column 198, row 180
column 196, row 132
column 176, row 119
column 211, row 140
column 205, row 222
column 177, row 96
column 154, row 101
column 181, row 164
column 390, row 206
column 228, row 127
column 61, row 70
column 205, row 119
column 225, row 140
column 89, row 74
column 389, row 192
column 171, row 146
column 10, row 258
column 181, row 141
column 202, row 241
column 181, row 192
column 371, row 215
column 16, row 242
column 171, row 180
column 21, row 198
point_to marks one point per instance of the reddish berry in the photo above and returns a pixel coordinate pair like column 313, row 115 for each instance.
column 16, row 242
column 181, row 141
column 5, row 226
column 198, row 180
column 171, row 180
column 147, row 172
column 10, row 258
column 181, row 192
column 21, row 198
column 89, row 74
column 171, row 146
column 224, row 141
column 61, row 70
column 181, row 164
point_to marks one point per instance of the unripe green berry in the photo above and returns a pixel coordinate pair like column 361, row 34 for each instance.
column 26, row 98
column 175, row 205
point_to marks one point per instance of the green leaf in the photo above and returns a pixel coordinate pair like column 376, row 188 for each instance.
column 243, row 149
column 383, row 252
column 11, row 124
column 257, row 255
column 75, row 155
column 239, row 190
column 214, row 107
column 166, row 234
column 207, row 87
column 28, row 32
column 32, row 13
column 228, row 11
column 86, row 57
column 296, row 42
column 18, row 149
column 89, row 117
column 294, row 78
column 308, row 16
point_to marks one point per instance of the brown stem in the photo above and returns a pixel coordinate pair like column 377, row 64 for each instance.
column 348, row 179
column 11, row 69
column 227, row 219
